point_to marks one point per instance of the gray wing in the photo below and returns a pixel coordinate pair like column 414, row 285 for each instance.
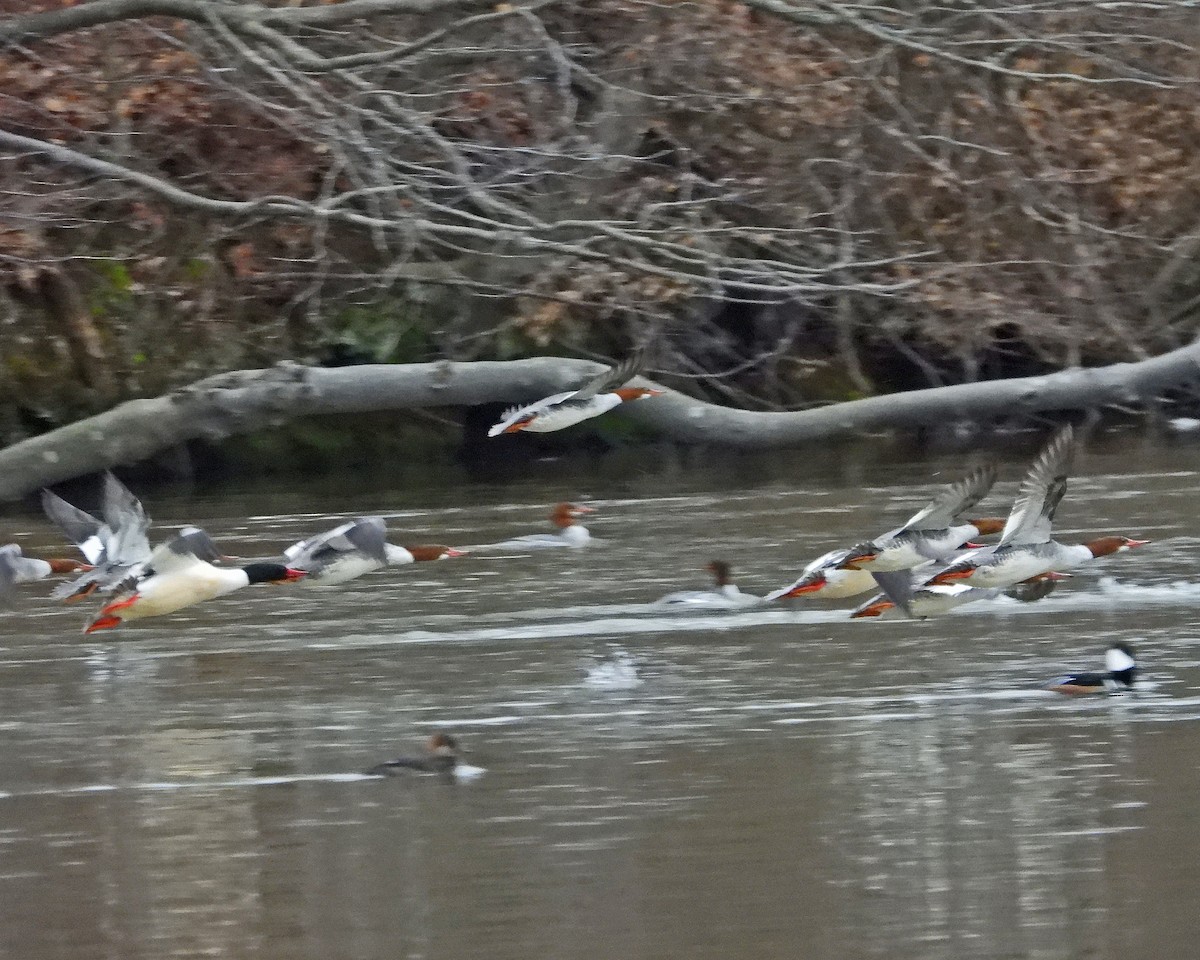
column 831, row 559
column 898, row 586
column 365, row 534
column 81, row 528
column 123, row 512
column 1041, row 491
column 202, row 545
column 950, row 501
column 177, row 553
column 612, row 378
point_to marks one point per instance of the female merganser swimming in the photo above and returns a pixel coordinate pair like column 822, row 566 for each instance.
column 598, row 395
column 16, row 568
column 1025, row 549
column 1121, row 667
column 571, row 533
column 725, row 593
column 931, row 534
column 929, row 600
column 354, row 548
column 174, row 578
column 441, row 756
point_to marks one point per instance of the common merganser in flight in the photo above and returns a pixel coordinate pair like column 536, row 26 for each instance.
column 354, row 548
column 441, row 756
column 16, row 568
column 174, row 578
column 571, row 533
column 1025, row 549
column 827, row 577
column 927, row 535
column 1121, row 670
column 597, row 396
column 724, row 594
column 930, row 533
column 117, row 548
column 928, row 600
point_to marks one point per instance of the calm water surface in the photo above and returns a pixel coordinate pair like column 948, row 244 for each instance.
column 765, row 783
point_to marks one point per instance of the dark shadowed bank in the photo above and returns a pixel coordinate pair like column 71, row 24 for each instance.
column 467, row 394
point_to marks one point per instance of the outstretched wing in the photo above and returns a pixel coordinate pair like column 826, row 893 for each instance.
column 366, row 535
column 81, row 528
column 952, row 500
column 175, row 555
column 612, row 378
column 125, row 517
column 515, row 415
column 203, row 546
column 1032, row 513
column 898, row 586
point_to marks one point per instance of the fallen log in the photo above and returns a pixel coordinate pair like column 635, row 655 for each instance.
column 241, row 401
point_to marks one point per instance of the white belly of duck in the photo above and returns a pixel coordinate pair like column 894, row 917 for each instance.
column 342, row 570
column 168, row 593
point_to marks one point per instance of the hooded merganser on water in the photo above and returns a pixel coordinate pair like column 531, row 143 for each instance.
column 441, row 756
column 1122, row 670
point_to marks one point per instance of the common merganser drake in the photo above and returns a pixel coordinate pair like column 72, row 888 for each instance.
column 16, row 568
column 175, row 577
column 1122, row 671
column 931, row 533
column 571, row 533
column 827, row 578
column 354, row 548
column 562, row 410
column 724, row 594
column 1025, row 549
column 441, row 756
column 930, row 600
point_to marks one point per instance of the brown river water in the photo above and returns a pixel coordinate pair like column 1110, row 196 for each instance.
column 763, row 783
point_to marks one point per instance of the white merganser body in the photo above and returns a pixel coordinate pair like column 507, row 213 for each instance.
column 562, row 410
column 723, row 596
column 1006, row 566
column 174, row 578
column 355, row 548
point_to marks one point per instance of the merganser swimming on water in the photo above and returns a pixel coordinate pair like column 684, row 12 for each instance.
column 1122, row 670
column 597, row 396
column 174, row 578
column 354, row 548
column 725, row 593
column 930, row 533
column 1025, row 549
column 16, row 568
column 571, row 533
column 441, row 756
